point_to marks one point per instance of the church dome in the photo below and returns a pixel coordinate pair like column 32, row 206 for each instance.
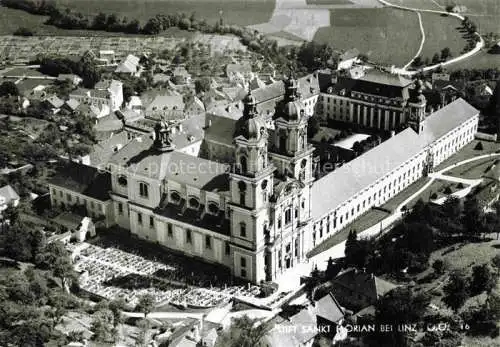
column 292, row 110
column 250, row 128
column 249, row 100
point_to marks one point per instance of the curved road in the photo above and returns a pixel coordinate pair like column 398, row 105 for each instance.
column 403, row 71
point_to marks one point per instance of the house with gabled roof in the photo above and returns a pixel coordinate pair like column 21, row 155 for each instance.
column 357, row 289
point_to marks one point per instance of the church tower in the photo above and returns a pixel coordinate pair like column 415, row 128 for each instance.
column 289, row 237
column 251, row 185
column 291, row 153
column 417, row 104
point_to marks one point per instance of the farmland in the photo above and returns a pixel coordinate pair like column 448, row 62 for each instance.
column 386, row 35
column 241, row 12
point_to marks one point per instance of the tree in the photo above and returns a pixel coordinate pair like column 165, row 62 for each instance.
column 102, row 326
column 313, row 127
column 452, row 207
column 436, row 58
column 495, row 261
column 400, row 305
column 202, row 85
column 146, row 304
column 445, row 53
column 332, row 269
column 438, row 266
column 479, row 146
column 483, row 279
column 417, row 62
column 244, row 332
column 22, row 31
column 456, row 291
column 350, row 245
column 8, row 88
column 473, row 217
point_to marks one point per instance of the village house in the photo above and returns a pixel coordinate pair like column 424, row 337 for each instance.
column 107, row 94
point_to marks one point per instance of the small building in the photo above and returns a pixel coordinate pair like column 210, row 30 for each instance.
column 80, row 185
column 108, row 93
column 71, row 105
column 72, row 78
column 194, row 106
column 54, row 103
column 181, row 76
column 348, row 59
column 106, row 57
column 8, row 197
column 357, row 289
column 239, row 72
column 130, row 66
column 79, row 227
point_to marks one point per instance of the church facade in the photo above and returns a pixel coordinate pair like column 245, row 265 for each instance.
column 260, row 210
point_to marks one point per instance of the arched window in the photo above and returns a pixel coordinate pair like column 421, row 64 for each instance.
column 194, row 203
column 243, row 164
column 282, row 145
column 175, row 197
column 213, row 208
column 122, row 180
column 143, row 190
column 242, row 187
column 288, row 216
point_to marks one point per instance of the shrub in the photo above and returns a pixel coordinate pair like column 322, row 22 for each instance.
column 460, row 185
column 448, row 190
column 479, row 146
column 434, row 196
column 438, row 266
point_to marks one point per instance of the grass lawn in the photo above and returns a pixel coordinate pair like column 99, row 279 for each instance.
column 405, row 194
column 441, row 32
column 437, row 187
column 468, row 152
column 473, row 170
column 370, row 218
column 386, row 35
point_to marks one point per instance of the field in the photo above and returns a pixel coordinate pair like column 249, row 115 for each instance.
column 241, row 12
column 386, row 35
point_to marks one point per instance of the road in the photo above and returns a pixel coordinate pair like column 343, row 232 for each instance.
column 479, row 46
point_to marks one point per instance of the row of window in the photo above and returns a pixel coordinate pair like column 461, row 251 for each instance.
column 77, row 200
column 189, row 238
column 392, row 188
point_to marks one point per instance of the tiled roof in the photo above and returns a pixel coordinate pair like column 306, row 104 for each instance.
column 385, row 78
column 242, row 68
column 163, row 102
column 9, row 194
column 143, row 159
column 221, row 130
column 129, row 65
column 447, row 118
column 72, row 104
column 54, row 101
column 83, row 179
column 328, row 308
column 363, row 283
column 330, row 191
